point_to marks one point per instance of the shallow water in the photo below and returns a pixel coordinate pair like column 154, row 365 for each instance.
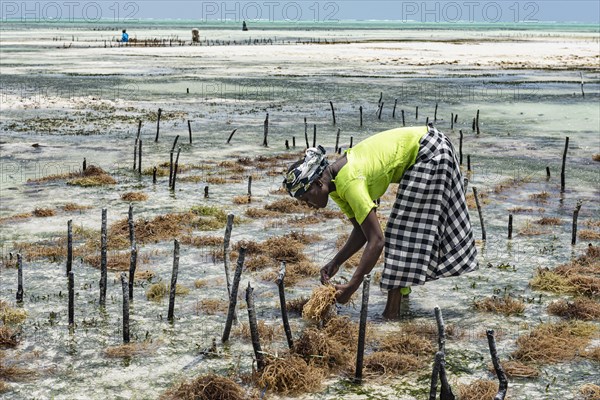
column 525, row 115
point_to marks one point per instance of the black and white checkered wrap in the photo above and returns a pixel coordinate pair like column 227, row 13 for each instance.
column 428, row 235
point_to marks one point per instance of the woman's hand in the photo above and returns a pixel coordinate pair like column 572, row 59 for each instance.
column 329, row 271
column 345, row 292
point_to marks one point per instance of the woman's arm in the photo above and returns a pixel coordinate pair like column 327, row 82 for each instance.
column 355, row 242
column 374, row 237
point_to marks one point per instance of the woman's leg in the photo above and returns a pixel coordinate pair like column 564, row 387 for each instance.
column 392, row 307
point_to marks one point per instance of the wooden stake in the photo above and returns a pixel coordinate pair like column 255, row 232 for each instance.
column 206, row 192
column 332, row 112
column 380, row 110
column 69, row 246
column 84, row 164
column 282, row 305
column 582, row 92
column 460, row 146
column 135, row 147
column 351, row 139
column 154, row 175
column 403, row 123
column 125, row 308
column 360, row 109
column 575, row 215
column 315, row 135
column 287, row 144
column 510, row 226
column 190, row 130
column 435, row 373
column 19, row 278
column 173, row 287
column 294, row 141
column 473, row 125
column 231, row 135
column 362, row 329
column 394, row 110
column 465, row 185
column 140, row 157
column 103, row 244
column 175, row 170
column 71, row 290
column 380, row 98
column 547, row 173
column 266, row 131
column 503, row 381
column 455, row 118
column 233, row 295
column 451, row 120
column 337, row 140
column 133, row 251
column 417, row 112
column 171, row 161
column 477, row 122
column 260, row 363
column 157, row 125
column 226, row 251
column 435, row 113
column 446, row 390
column 480, row 213
column 468, row 162
column 306, row 133
column 562, row 169
column 427, row 121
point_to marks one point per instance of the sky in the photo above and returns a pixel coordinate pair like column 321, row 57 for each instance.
column 498, row 11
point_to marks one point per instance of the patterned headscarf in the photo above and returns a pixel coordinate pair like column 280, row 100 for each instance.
column 298, row 180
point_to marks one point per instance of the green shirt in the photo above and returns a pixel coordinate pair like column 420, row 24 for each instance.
column 371, row 166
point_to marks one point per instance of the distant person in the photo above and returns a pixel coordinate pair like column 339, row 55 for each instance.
column 125, row 36
column 244, row 26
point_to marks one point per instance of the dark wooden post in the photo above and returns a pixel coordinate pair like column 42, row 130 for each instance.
column 266, row 130
column 250, row 188
column 154, row 175
column 171, row 161
column 287, row 144
column 140, row 157
column 19, row 278
column 360, row 109
column 435, row 373
column 510, row 225
column 231, row 135
column 468, row 162
column 260, row 363
column 226, row 252
column 460, row 147
column 575, row 215
column 451, row 120
column 351, row 139
column 417, row 112
column 480, row 213
column 206, row 192
column 294, row 141
column 473, row 125
column 503, row 381
column 282, row 305
column 547, row 173
column 71, row 290
column 133, row 250
column 477, row 122
column 135, row 148
column 315, row 135
column 337, row 140
column 455, row 118
column 435, row 113
column 446, row 390
column 84, row 164
column 332, row 111
column 190, row 130
column 233, row 295
column 103, row 274
column 173, row 287
column 562, row 169
column 157, row 125
column 175, row 169
column 125, row 307
column 582, row 92
column 306, row 133
column 403, row 122
column 69, row 246
column 380, row 110
column 362, row 329
column 394, row 110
